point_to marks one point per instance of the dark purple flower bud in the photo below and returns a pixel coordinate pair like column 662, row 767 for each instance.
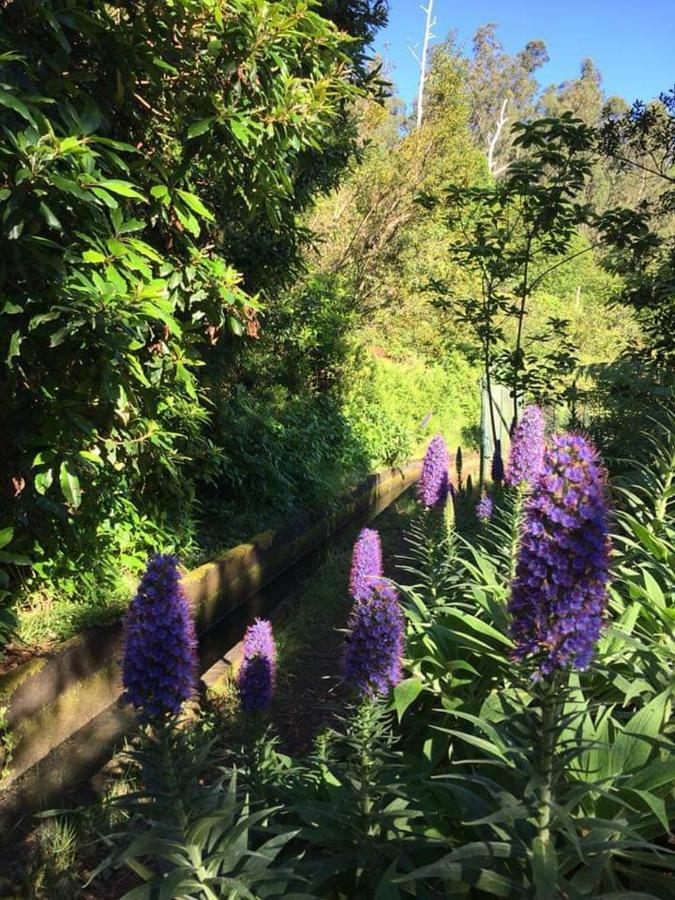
column 258, row 670
column 366, row 564
column 484, row 508
column 434, row 483
column 527, row 448
column 160, row 649
column 497, row 468
column 376, row 630
column 559, row 593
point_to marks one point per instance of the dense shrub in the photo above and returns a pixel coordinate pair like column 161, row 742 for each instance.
column 153, row 162
column 393, row 405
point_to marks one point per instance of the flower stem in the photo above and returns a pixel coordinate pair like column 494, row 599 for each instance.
column 547, row 742
column 515, row 531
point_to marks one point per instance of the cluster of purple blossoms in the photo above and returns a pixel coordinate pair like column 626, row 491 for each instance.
column 376, row 629
column 497, row 468
column 484, row 508
column 257, row 673
column 559, row 593
column 366, row 564
column 527, row 449
column 434, row 484
column 160, row 648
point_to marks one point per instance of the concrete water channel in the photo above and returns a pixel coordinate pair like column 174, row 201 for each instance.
column 66, row 710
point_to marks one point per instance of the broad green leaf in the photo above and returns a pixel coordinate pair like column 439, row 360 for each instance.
column 91, row 457
column 633, row 745
column 12, row 102
column 405, row 693
column 15, row 559
column 93, row 256
column 195, row 204
column 200, row 127
column 6, row 535
column 14, row 347
column 123, row 188
column 43, row 481
column 70, row 486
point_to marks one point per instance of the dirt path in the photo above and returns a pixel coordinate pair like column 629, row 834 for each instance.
column 310, row 638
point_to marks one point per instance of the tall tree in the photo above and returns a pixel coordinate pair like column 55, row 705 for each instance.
column 502, row 90
column 583, row 96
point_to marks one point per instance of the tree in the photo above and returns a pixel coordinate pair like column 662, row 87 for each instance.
column 514, row 233
column 429, row 23
column 154, row 161
column 583, row 97
column 641, row 239
column 502, row 90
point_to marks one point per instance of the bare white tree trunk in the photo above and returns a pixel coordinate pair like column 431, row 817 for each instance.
column 494, row 140
column 422, row 60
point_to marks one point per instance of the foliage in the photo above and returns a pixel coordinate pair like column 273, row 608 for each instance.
column 642, row 141
column 8, row 559
column 212, row 843
column 502, row 90
column 147, row 197
column 473, row 778
column 394, row 404
column 513, row 234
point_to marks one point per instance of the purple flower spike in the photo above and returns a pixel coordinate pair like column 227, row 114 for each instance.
column 527, row 448
column 257, row 673
column 484, row 508
column 372, row 662
column 160, row 649
column 434, row 483
column 366, row 564
column 559, row 593
column 497, row 468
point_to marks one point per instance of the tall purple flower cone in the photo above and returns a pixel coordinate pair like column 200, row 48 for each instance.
column 484, row 508
column 366, row 564
column 376, row 629
column 526, row 456
column 257, row 674
column 559, row 593
column 434, row 484
column 160, row 648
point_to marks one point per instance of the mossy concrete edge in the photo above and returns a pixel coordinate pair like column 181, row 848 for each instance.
column 53, row 703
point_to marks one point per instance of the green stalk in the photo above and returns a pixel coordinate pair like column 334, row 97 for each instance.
column 547, row 741
column 515, row 530
column 164, row 735
column 365, row 762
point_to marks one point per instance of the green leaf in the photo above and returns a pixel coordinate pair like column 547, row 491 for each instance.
column 634, row 745
column 200, row 127
column 123, row 188
column 544, row 870
column 405, row 693
column 657, row 805
column 50, row 217
column 195, row 204
column 12, row 102
column 43, row 481
column 14, row 347
column 6, row 535
column 159, row 191
column 91, row 457
column 93, row 256
column 240, row 131
column 70, row 486
column 15, row 559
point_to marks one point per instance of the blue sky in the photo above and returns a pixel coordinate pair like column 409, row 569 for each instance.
column 632, row 43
